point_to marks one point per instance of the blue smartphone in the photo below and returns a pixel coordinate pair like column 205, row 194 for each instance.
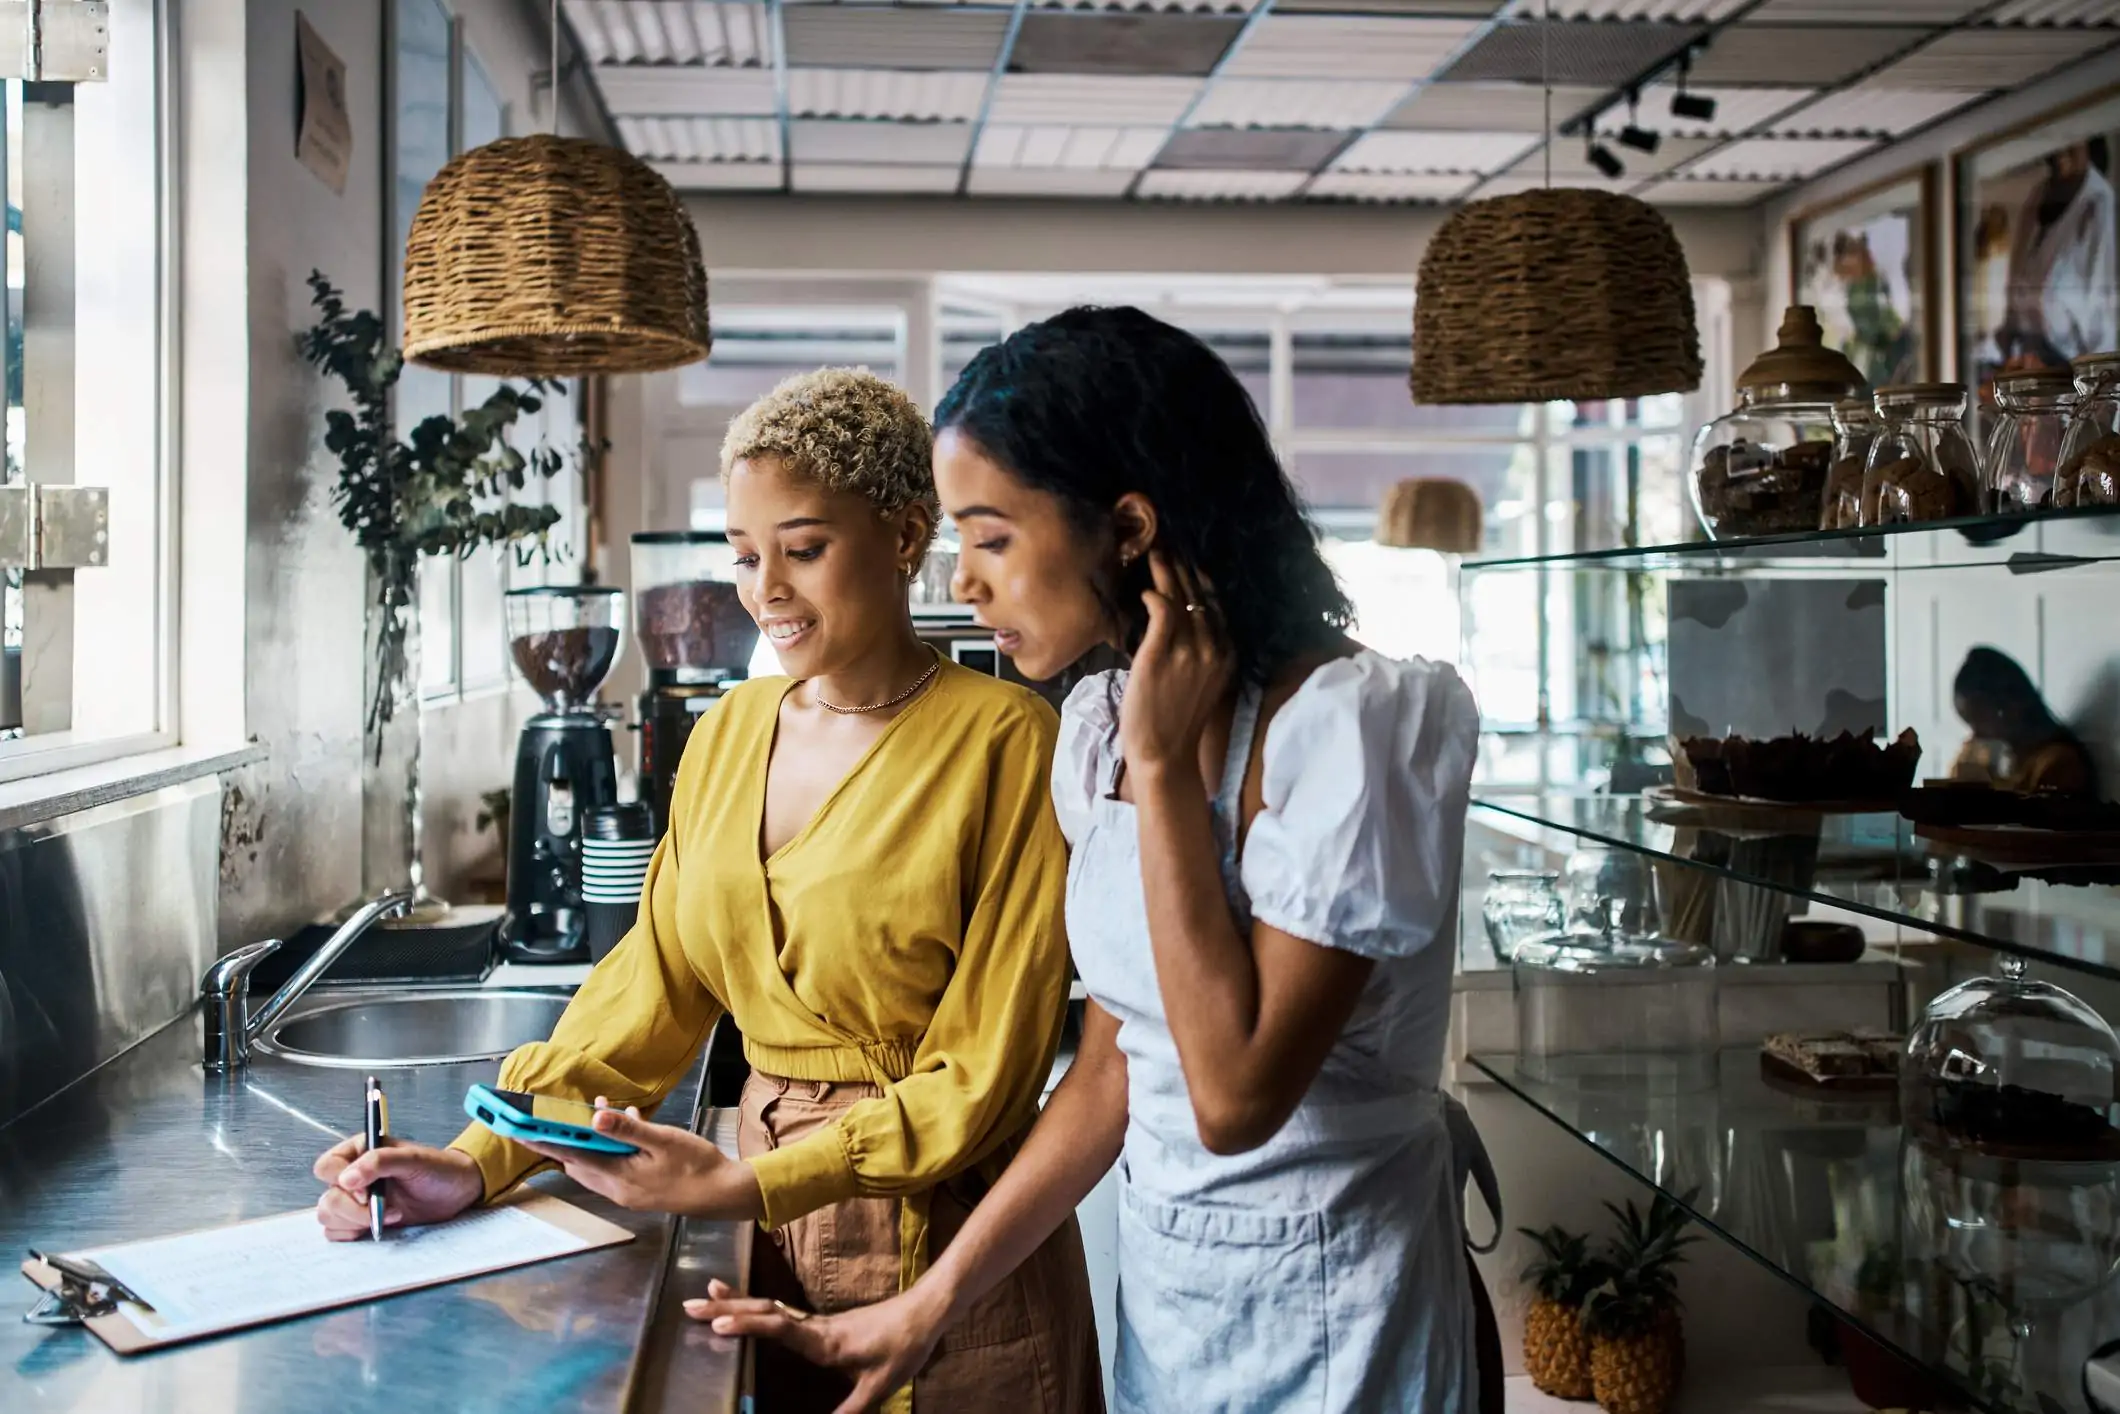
column 543, row 1119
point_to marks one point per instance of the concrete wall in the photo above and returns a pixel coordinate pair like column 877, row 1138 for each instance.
column 253, row 448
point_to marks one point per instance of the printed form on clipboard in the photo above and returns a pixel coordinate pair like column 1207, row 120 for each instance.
column 167, row 1290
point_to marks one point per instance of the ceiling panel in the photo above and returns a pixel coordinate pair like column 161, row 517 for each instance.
column 1865, row 12
column 1342, row 46
column 1980, row 61
column 1250, row 149
column 1049, row 181
column 1513, row 183
column 1571, row 159
column 1067, row 98
column 1295, row 103
column 720, row 176
column 1389, row 186
column 733, row 33
column 1678, row 192
column 1779, row 158
column 1871, row 107
column 815, row 141
column 1203, row 7
column 1076, row 43
column 871, row 177
column 1424, row 9
column 651, row 90
column 701, row 139
column 1058, row 145
column 885, row 93
column 1737, row 110
column 842, row 36
column 1798, row 55
column 1571, row 53
column 1646, row 9
column 1487, row 107
column 1444, row 151
column 2058, row 12
column 1221, row 186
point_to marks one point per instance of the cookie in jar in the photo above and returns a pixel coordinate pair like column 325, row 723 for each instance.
column 1922, row 466
column 1855, row 425
column 2090, row 452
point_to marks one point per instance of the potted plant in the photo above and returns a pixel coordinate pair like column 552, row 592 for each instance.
column 1637, row 1341
column 445, row 489
column 1556, row 1347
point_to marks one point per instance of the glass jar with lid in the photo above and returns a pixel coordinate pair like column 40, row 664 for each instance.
column 1761, row 468
column 2015, row 1068
column 1922, row 465
column 2024, row 450
column 1855, row 425
column 1600, row 1006
column 2090, row 454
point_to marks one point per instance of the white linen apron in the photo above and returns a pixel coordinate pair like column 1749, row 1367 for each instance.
column 1320, row 1272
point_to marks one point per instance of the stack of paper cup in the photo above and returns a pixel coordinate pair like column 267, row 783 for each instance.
column 617, row 843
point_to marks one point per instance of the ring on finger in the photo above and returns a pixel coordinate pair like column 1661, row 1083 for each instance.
column 1193, row 608
column 790, row 1312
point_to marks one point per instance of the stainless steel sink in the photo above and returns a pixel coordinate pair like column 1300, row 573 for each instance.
column 414, row 1028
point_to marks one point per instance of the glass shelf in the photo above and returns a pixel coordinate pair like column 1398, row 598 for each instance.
column 2038, row 541
column 1873, row 864
column 1950, row 1261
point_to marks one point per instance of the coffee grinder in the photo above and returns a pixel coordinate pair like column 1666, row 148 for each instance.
column 696, row 638
column 564, row 641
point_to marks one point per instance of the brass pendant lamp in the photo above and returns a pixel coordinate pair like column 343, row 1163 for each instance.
column 1558, row 293
column 547, row 256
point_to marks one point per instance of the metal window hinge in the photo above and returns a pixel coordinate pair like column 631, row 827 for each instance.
column 54, row 527
column 55, row 41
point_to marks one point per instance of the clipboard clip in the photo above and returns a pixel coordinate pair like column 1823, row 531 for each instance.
column 84, row 1292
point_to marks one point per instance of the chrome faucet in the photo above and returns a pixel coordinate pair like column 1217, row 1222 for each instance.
column 225, row 989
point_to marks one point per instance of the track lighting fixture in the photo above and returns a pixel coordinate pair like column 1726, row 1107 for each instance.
column 1634, row 135
column 1605, row 160
column 1693, row 107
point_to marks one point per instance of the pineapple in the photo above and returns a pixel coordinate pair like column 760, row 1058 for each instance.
column 1637, row 1342
column 1556, row 1349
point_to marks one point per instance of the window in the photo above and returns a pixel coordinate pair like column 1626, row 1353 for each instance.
column 445, row 102
column 85, row 660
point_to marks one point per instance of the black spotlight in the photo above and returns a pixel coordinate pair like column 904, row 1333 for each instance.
column 1605, row 160
column 1634, row 135
column 1694, row 107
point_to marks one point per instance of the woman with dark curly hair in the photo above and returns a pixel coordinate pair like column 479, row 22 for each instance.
column 1267, row 822
column 863, row 869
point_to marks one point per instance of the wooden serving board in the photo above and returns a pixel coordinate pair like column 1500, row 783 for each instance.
column 1675, row 805
column 2023, row 844
column 1783, row 1076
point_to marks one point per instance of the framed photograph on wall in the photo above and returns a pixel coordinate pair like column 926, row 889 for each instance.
column 2037, row 280
column 1866, row 263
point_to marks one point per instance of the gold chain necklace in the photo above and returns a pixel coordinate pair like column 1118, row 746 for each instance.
column 918, row 683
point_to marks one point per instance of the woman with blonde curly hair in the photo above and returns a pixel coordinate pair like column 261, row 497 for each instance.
column 863, row 869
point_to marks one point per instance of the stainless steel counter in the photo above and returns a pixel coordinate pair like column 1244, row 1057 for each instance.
column 150, row 1145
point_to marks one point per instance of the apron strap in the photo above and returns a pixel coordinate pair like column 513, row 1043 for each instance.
column 1469, row 1158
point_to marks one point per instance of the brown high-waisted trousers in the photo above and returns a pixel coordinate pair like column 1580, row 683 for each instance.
column 1028, row 1347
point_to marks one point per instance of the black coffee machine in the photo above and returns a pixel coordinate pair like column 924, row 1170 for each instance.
column 696, row 639
column 564, row 641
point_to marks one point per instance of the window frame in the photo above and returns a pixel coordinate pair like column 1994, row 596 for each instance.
column 153, row 166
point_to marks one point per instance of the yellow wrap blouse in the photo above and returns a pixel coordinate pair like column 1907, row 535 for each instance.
column 910, row 936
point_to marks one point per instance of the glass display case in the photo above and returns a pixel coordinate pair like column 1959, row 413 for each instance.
column 1971, row 1233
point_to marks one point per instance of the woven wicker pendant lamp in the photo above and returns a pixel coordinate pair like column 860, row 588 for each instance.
column 1555, row 293
column 553, row 256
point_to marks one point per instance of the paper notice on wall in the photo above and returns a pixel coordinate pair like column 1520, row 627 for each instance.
column 324, row 138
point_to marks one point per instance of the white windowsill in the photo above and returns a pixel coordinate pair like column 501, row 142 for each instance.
column 40, row 798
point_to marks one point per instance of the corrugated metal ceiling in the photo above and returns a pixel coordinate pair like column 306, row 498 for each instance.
column 731, row 32
column 885, row 93
column 1296, row 103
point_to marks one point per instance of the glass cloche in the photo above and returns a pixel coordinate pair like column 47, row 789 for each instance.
column 1761, row 469
column 2015, row 1068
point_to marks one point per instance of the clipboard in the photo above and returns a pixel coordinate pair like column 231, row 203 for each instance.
column 91, row 1287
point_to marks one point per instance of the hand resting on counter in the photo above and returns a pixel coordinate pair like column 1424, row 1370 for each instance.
column 426, row 1185
column 676, row 1171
